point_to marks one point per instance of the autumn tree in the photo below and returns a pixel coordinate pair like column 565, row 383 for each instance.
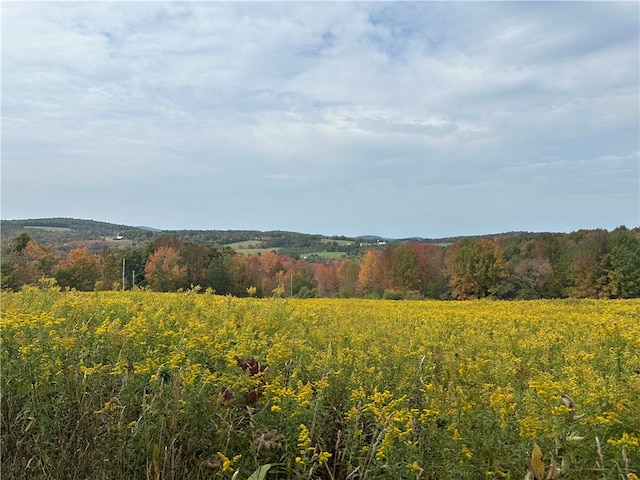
column 164, row 271
column 533, row 274
column 80, row 270
column 268, row 271
column 370, row 275
column 474, row 266
column 432, row 270
column 529, row 272
column 326, row 277
column 26, row 262
column 239, row 274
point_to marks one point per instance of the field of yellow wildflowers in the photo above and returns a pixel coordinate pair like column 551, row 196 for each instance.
column 141, row 385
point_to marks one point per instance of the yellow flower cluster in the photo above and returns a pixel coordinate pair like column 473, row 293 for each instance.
column 308, row 453
column 379, row 388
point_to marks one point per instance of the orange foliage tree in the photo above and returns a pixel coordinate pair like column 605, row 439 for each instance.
column 371, row 275
column 269, row 271
column 29, row 263
column 80, row 270
column 164, row 271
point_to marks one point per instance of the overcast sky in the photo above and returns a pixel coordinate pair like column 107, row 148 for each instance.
column 397, row 119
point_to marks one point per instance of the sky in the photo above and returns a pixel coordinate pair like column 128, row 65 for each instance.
column 399, row 119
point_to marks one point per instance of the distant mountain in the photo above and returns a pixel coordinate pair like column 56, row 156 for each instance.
column 65, row 233
column 63, row 222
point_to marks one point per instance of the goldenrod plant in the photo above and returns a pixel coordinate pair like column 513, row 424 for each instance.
column 193, row 385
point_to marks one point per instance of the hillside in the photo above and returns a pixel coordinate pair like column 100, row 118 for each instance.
column 59, row 232
column 585, row 263
column 65, row 233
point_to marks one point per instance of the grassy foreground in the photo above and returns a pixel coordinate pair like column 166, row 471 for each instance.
column 137, row 385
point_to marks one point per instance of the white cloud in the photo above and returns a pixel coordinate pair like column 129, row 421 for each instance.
column 370, row 108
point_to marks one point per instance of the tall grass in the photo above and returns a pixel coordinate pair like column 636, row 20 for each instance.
column 113, row 385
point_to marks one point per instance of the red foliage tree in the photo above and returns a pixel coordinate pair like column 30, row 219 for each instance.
column 326, row 277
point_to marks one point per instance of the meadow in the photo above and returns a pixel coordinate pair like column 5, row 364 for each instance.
column 191, row 385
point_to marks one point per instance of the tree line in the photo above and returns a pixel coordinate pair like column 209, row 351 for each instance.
column 582, row 264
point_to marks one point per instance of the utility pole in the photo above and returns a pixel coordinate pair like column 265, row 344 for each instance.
column 123, row 262
column 133, row 279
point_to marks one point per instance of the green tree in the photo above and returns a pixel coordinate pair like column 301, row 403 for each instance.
column 555, row 247
column 405, row 271
column 302, row 279
column 348, row 278
column 590, row 266
column 196, row 258
column 111, row 269
column 135, row 263
column 218, row 271
column 20, row 242
column 624, row 269
column 6, row 272
column 167, row 241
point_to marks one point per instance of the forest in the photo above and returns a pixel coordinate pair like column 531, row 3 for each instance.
column 581, row 264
